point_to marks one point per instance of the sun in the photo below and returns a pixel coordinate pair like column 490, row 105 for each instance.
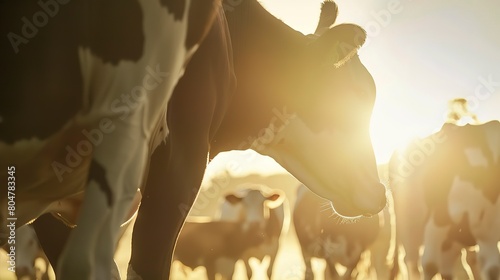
column 395, row 123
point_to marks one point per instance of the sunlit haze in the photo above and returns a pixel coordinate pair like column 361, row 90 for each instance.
column 421, row 54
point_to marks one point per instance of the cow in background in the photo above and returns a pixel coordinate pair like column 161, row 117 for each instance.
column 209, row 243
column 323, row 236
column 446, row 189
column 256, row 204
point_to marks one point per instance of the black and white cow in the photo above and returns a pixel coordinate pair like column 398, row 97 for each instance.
column 306, row 101
column 206, row 243
column 85, row 88
column 245, row 225
column 255, row 204
column 446, row 195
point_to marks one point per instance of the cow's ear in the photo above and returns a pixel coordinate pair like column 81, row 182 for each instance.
column 327, row 17
column 233, row 199
column 338, row 44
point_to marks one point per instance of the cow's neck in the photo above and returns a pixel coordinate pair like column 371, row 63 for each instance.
column 265, row 50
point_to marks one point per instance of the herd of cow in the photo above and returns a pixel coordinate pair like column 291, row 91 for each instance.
column 106, row 105
column 250, row 221
column 444, row 202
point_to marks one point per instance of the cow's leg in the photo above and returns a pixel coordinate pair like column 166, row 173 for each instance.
column 330, row 270
column 411, row 260
column 434, row 237
column 379, row 250
column 410, row 220
column 152, row 250
column 462, row 269
column 489, row 259
column 487, row 236
column 45, row 275
column 380, row 264
column 309, row 275
column 225, row 267
column 270, row 267
column 471, row 261
column 115, row 173
column 175, row 174
column 174, row 179
column 354, row 257
column 248, row 268
column 448, row 262
column 210, row 269
column 272, row 256
column 349, row 273
column 52, row 235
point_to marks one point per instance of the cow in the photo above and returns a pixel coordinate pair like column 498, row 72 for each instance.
column 85, row 91
column 322, row 236
column 205, row 243
column 255, row 204
column 305, row 101
column 446, row 190
column 245, row 226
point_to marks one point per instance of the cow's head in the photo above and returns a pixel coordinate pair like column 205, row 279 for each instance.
column 324, row 138
column 250, row 206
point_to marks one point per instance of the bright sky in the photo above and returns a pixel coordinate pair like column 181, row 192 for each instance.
column 421, row 54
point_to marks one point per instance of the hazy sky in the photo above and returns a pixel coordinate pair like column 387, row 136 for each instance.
column 421, row 54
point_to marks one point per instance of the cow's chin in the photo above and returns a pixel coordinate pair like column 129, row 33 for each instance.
column 348, row 210
column 361, row 197
column 352, row 196
column 359, row 201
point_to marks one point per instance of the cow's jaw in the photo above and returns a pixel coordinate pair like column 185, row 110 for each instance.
column 313, row 158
